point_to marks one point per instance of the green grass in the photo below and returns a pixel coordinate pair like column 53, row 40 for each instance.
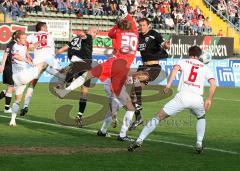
column 223, row 132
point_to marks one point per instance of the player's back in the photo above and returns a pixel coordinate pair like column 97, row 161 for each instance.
column 126, row 42
column 194, row 74
column 47, row 45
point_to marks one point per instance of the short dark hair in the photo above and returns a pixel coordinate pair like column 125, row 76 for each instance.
column 125, row 25
column 19, row 34
column 195, row 51
column 14, row 34
column 145, row 20
column 40, row 25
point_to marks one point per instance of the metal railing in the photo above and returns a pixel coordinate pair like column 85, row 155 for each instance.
column 212, row 8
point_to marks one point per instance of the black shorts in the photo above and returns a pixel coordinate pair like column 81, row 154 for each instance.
column 152, row 71
column 7, row 76
column 76, row 69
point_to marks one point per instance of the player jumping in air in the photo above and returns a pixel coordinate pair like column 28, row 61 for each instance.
column 152, row 48
column 44, row 51
column 125, row 43
column 23, row 71
column 189, row 96
column 80, row 54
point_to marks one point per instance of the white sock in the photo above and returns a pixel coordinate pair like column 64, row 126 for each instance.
column 200, row 130
column 151, row 125
column 114, row 106
column 106, row 123
column 77, row 82
column 28, row 96
column 126, row 123
column 56, row 73
column 15, row 108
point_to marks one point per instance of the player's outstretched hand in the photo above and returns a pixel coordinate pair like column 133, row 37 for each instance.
column 166, row 90
column 123, row 10
column 166, row 44
column 207, row 104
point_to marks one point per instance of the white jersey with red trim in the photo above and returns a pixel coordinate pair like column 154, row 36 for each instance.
column 47, row 47
column 17, row 65
column 194, row 73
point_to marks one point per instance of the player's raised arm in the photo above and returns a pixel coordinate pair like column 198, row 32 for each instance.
column 212, row 89
column 62, row 50
column 5, row 55
column 173, row 73
column 112, row 32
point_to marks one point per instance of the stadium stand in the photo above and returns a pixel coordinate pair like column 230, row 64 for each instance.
column 229, row 9
column 168, row 16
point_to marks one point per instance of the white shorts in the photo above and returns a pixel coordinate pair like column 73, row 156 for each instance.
column 184, row 100
column 51, row 61
column 121, row 100
column 21, row 79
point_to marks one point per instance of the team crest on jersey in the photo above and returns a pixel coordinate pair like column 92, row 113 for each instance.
column 146, row 39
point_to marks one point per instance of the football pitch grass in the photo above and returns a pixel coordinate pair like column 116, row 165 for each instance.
column 40, row 142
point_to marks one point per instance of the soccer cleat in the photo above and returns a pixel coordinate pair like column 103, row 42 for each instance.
column 199, row 148
column 8, row 110
column 100, row 134
column 79, row 121
column 12, row 123
column 135, row 124
column 61, row 93
column 134, row 146
column 125, row 138
column 114, row 121
column 24, row 111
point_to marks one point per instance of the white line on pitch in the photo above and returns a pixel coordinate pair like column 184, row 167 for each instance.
column 94, row 131
column 232, row 100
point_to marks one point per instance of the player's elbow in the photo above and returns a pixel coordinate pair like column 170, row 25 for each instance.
column 212, row 83
column 176, row 68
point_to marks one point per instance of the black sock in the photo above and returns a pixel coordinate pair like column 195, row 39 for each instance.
column 2, row 94
column 138, row 91
column 7, row 102
column 8, row 99
column 82, row 105
column 137, row 115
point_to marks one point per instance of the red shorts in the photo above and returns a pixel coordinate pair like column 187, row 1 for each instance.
column 116, row 68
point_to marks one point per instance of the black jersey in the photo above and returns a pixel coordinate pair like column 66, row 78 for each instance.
column 8, row 51
column 150, row 46
column 81, row 48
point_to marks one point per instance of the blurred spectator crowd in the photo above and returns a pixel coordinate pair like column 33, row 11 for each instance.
column 165, row 14
column 229, row 9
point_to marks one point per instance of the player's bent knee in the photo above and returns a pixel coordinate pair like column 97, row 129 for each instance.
column 202, row 117
column 162, row 115
column 10, row 89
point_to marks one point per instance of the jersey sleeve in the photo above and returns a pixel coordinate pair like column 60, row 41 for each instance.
column 51, row 41
column 8, row 48
column 133, row 22
column 159, row 38
column 209, row 74
column 15, row 50
column 69, row 44
column 112, row 32
column 181, row 64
